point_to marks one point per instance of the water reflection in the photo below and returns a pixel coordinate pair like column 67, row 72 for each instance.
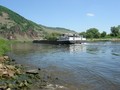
column 23, row 48
column 77, row 48
column 26, row 48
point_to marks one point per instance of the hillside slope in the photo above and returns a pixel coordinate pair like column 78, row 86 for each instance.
column 14, row 26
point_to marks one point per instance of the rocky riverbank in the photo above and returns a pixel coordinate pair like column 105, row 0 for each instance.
column 14, row 76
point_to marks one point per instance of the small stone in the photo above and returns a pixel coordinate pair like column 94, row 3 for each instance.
column 18, row 71
column 56, row 78
column 21, row 84
column 1, row 66
column 1, row 59
column 10, row 85
column 25, row 83
column 8, row 89
column 10, row 67
column 6, row 57
column 5, row 72
column 34, row 71
column 48, row 77
column 11, row 73
column 39, row 68
column 13, row 60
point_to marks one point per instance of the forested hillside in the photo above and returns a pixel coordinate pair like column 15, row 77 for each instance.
column 14, row 26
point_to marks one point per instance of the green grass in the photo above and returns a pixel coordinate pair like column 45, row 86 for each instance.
column 4, row 46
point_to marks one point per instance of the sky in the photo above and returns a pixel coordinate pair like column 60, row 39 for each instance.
column 78, row 15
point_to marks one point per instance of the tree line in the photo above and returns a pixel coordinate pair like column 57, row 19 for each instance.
column 94, row 33
column 90, row 34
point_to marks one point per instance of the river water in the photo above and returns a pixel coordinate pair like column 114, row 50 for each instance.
column 91, row 66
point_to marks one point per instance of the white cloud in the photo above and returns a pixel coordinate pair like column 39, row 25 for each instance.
column 90, row 14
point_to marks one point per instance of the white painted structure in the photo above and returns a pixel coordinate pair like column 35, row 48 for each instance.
column 71, row 37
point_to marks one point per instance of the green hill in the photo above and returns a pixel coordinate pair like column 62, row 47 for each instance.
column 14, row 26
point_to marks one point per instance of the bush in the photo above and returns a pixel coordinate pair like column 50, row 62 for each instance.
column 52, row 36
column 4, row 46
column 0, row 13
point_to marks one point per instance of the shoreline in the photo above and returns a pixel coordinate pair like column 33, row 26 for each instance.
column 104, row 39
column 14, row 75
column 76, row 42
column 17, row 76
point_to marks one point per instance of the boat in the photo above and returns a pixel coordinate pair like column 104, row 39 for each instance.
column 71, row 38
column 67, row 38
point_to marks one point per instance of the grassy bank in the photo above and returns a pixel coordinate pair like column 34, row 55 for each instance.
column 4, row 46
column 104, row 39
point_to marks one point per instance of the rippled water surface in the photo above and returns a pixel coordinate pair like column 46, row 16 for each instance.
column 91, row 66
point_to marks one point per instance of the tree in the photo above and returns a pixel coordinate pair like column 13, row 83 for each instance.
column 83, row 33
column 92, row 33
column 52, row 36
column 4, row 27
column 103, row 34
column 115, row 31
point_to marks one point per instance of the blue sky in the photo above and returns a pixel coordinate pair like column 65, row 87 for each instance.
column 78, row 15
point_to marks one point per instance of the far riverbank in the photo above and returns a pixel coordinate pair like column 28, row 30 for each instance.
column 104, row 39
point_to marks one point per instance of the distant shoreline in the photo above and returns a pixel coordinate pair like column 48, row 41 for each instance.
column 104, row 39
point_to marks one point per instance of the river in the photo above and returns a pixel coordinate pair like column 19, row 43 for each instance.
column 91, row 66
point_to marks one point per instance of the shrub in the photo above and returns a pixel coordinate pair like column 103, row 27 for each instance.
column 4, row 46
column 52, row 36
